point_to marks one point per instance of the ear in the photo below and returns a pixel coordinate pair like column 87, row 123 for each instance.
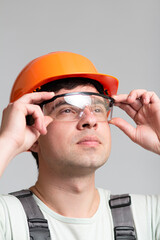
column 34, row 147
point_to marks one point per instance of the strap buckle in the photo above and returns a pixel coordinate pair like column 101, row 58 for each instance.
column 124, row 233
column 120, row 201
column 38, row 229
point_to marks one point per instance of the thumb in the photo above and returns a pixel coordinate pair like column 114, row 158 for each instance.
column 127, row 128
column 47, row 120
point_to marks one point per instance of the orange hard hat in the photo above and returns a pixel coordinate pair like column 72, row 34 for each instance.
column 58, row 65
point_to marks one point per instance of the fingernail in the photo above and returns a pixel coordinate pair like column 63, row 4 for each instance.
column 130, row 98
column 110, row 121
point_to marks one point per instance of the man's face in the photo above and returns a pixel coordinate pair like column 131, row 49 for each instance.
column 78, row 146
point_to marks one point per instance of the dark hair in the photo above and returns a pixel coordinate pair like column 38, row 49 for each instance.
column 67, row 83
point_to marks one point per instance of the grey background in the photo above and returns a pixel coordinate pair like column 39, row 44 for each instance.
column 120, row 37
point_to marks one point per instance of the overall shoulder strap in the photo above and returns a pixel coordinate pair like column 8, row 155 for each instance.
column 38, row 225
column 124, row 228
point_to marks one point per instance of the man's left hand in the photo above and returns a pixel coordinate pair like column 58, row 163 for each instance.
column 144, row 108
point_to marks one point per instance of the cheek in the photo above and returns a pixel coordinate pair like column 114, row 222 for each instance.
column 108, row 132
column 50, row 145
column 58, row 136
column 104, row 129
column 106, row 136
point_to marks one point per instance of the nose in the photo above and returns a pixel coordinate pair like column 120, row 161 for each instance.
column 87, row 120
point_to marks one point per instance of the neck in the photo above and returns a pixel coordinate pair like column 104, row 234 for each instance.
column 69, row 196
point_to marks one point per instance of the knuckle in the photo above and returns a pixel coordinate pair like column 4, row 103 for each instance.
column 37, row 111
column 38, row 108
column 133, row 91
column 5, row 110
column 152, row 93
column 17, row 105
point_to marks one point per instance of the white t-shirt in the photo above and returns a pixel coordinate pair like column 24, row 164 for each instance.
column 146, row 212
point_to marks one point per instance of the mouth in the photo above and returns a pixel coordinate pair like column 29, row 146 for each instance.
column 90, row 141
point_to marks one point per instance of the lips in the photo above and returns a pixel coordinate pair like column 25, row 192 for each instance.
column 89, row 141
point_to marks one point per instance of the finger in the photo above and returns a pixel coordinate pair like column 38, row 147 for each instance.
column 36, row 98
column 131, row 97
column 144, row 96
column 137, row 98
column 135, row 94
column 37, row 114
column 127, row 108
column 123, row 98
column 47, row 120
column 154, row 98
column 150, row 97
column 120, row 98
column 136, row 105
column 127, row 128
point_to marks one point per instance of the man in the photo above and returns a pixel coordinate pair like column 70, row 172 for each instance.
column 67, row 104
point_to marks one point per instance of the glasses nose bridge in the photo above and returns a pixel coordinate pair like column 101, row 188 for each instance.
column 87, row 119
column 88, row 115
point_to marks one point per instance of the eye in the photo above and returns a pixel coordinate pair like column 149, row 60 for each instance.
column 67, row 110
column 99, row 109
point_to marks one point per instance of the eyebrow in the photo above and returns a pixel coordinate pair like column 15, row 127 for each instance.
column 99, row 101
column 102, row 101
column 54, row 106
column 60, row 103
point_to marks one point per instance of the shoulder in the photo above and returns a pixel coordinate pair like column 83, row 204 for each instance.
column 13, row 222
column 146, row 212
column 9, row 205
column 146, row 204
column 138, row 201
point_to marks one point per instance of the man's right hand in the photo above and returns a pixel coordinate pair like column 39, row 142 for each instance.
column 15, row 135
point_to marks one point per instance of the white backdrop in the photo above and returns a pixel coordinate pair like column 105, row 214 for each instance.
column 121, row 37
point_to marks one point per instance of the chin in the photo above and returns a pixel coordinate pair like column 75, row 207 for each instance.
column 91, row 161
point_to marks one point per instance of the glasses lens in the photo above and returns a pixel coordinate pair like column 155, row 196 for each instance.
column 72, row 107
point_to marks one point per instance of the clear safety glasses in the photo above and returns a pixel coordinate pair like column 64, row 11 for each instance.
column 75, row 105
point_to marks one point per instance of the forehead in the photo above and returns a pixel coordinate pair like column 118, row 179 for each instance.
column 80, row 88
